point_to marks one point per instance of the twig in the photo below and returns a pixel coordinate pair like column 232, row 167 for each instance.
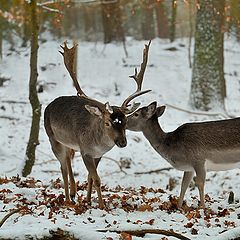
column 46, row 154
column 125, row 48
column 9, row 118
column 199, row 113
column 119, row 165
column 11, row 101
column 143, row 232
column 48, row 2
column 155, row 171
column 9, row 215
column 51, row 171
column 40, row 164
column 50, row 9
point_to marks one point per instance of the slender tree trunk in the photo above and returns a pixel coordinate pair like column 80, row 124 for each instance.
column 112, row 21
column 1, row 37
column 173, row 21
column 147, row 19
column 162, row 20
column 208, row 83
column 33, row 97
column 220, row 6
column 26, row 28
column 190, row 12
column 89, row 22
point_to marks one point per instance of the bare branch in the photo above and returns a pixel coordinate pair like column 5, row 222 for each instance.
column 9, row 118
column 49, row 9
column 114, row 160
column 226, row 115
column 155, row 171
column 9, row 215
column 143, row 232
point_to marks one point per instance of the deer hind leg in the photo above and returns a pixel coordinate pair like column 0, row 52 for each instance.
column 61, row 153
column 93, row 178
column 200, row 181
column 187, row 177
column 70, row 156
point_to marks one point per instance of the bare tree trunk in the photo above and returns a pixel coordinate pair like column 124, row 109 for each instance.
column 147, row 19
column 220, row 6
column 112, row 21
column 26, row 28
column 162, row 20
column 208, row 82
column 89, row 22
column 33, row 97
column 173, row 21
column 1, row 37
column 190, row 12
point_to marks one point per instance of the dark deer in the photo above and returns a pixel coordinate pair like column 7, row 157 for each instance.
column 79, row 123
column 192, row 147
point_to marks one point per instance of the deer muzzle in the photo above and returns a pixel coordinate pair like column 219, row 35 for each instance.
column 121, row 142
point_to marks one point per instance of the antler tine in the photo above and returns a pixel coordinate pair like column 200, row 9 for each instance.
column 138, row 77
column 69, row 56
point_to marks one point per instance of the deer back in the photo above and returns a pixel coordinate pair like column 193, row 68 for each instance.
column 216, row 140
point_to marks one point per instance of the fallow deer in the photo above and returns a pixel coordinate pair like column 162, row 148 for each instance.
column 193, row 147
column 79, row 123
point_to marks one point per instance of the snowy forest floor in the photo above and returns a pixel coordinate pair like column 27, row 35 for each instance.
column 135, row 200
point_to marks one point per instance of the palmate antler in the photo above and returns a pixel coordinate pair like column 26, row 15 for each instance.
column 69, row 56
column 138, row 77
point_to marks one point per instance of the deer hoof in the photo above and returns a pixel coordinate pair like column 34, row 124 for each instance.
column 73, row 200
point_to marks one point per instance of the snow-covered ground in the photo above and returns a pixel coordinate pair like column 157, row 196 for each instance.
column 134, row 201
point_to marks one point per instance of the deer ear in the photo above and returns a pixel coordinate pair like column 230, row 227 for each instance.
column 108, row 107
column 150, row 110
column 94, row 110
column 160, row 110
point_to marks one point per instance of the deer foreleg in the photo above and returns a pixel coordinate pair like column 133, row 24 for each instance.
column 187, row 177
column 90, row 181
column 93, row 178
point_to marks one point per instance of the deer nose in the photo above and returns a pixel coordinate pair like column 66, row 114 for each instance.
column 121, row 143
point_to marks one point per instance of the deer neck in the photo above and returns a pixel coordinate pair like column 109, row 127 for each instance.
column 154, row 133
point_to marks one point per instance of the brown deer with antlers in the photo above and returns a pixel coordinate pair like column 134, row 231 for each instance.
column 79, row 123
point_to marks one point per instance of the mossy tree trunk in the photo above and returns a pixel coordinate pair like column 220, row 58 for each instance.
column 208, row 83
column 33, row 96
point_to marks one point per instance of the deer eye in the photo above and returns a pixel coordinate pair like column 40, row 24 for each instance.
column 108, row 124
column 136, row 114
